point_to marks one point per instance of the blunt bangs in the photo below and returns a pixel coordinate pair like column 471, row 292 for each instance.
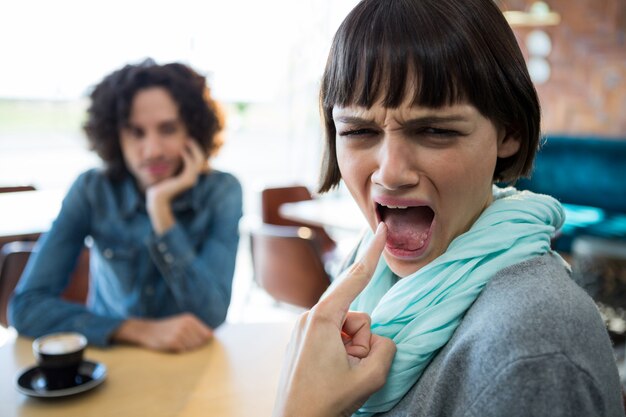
column 376, row 60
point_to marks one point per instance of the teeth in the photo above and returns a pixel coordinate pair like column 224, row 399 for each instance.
column 395, row 207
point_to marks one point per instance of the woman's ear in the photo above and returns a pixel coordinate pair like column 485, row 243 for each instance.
column 508, row 143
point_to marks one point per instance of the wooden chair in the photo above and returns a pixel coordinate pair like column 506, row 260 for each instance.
column 13, row 259
column 273, row 198
column 16, row 188
column 287, row 264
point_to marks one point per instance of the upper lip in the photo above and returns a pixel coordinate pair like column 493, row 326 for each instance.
column 399, row 202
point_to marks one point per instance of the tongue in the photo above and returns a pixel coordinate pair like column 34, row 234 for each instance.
column 407, row 228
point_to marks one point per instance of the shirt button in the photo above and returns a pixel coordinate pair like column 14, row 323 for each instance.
column 108, row 253
column 162, row 247
column 168, row 258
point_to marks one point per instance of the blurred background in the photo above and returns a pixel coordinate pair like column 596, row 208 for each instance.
column 264, row 61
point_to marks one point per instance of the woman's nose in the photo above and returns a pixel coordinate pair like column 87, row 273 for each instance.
column 396, row 165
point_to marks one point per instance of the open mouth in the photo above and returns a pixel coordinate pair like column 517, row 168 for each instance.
column 408, row 227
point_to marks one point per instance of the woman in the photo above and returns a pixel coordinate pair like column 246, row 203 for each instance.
column 427, row 104
column 164, row 226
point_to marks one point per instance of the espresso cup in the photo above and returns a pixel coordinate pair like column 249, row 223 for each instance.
column 59, row 356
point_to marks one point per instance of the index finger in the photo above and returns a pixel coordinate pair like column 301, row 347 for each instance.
column 195, row 148
column 357, row 277
column 198, row 154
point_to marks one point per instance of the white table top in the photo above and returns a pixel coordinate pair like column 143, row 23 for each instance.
column 338, row 213
column 28, row 212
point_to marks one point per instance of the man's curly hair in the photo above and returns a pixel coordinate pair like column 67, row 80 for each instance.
column 112, row 99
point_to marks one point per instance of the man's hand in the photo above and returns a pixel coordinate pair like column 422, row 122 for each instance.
column 334, row 362
column 159, row 196
column 174, row 334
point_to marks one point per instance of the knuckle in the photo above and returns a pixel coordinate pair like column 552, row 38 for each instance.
column 318, row 317
column 362, row 316
column 359, row 318
column 390, row 345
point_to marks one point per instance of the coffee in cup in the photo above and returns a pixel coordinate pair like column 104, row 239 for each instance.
column 59, row 356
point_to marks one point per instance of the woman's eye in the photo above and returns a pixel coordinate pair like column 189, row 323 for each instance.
column 438, row 132
column 356, row 132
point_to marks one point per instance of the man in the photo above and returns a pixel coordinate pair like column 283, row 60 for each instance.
column 164, row 226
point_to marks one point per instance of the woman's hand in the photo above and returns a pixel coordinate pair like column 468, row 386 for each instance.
column 334, row 362
column 159, row 196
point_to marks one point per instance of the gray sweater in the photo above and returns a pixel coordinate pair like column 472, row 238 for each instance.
column 532, row 344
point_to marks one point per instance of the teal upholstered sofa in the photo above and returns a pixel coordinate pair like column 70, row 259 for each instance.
column 587, row 175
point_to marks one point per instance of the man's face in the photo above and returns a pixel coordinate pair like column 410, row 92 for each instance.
column 427, row 173
column 153, row 141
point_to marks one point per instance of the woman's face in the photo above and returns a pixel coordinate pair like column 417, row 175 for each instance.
column 153, row 141
column 426, row 172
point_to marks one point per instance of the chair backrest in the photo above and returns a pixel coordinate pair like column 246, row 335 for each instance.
column 16, row 188
column 288, row 265
column 273, row 198
column 586, row 171
column 13, row 258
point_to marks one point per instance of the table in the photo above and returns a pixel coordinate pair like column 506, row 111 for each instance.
column 337, row 213
column 26, row 214
column 235, row 375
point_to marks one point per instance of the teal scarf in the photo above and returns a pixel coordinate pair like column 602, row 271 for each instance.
column 421, row 311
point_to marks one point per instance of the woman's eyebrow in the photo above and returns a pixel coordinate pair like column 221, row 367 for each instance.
column 425, row 120
column 352, row 119
column 417, row 121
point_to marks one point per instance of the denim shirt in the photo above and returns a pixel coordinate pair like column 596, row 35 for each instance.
column 133, row 272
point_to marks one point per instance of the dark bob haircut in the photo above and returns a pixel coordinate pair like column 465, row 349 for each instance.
column 453, row 50
column 112, row 99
